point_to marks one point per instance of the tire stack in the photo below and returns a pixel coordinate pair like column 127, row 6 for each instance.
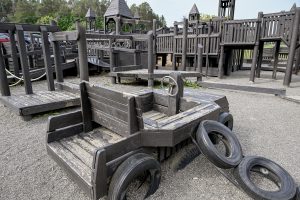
column 211, row 133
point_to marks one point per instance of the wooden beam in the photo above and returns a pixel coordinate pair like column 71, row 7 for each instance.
column 150, row 60
column 24, row 59
column 4, row 87
column 184, row 44
column 82, row 53
column 292, row 51
column 47, row 59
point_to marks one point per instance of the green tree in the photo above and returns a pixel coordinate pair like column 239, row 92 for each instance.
column 26, row 11
column 6, row 8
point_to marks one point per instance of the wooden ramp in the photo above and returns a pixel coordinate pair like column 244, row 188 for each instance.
column 143, row 74
column 41, row 101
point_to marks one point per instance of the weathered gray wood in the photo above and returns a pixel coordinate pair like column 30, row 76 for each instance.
column 274, row 91
column 260, row 59
column 150, row 60
column 292, row 51
column 14, row 53
column 276, row 58
column 64, row 132
column 100, row 174
column 133, row 123
column 24, row 60
column 64, row 120
column 174, row 48
column 221, row 62
column 85, row 108
column 57, row 58
column 47, row 59
column 4, row 87
column 199, row 61
column 184, row 44
column 82, row 49
column 174, row 101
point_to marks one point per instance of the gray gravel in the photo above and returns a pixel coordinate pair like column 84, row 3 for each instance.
column 266, row 125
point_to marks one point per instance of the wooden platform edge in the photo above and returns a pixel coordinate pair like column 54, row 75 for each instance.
column 274, row 91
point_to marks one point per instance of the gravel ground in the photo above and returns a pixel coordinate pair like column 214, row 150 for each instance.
column 266, row 125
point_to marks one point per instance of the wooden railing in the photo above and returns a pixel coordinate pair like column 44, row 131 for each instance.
column 278, row 25
column 165, row 43
column 240, row 32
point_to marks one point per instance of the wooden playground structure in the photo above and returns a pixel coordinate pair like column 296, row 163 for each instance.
column 196, row 48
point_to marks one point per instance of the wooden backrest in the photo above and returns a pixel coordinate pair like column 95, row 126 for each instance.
column 109, row 108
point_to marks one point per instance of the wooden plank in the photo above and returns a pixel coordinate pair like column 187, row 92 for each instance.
column 100, row 175
column 72, row 162
column 64, row 120
column 85, row 108
column 281, row 91
column 109, row 110
column 64, row 36
column 77, row 151
column 110, row 122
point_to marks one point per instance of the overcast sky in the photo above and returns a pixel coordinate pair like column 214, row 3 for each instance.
column 174, row 10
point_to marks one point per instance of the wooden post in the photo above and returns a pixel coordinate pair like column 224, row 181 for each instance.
column 174, row 101
column 276, row 57
column 118, row 25
column 82, row 53
column 137, row 56
column 242, row 59
column 24, row 60
column 4, row 87
column 221, row 62
column 174, row 47
column 256, row 47
column 297, row 65
column 150, row 60
column 57, row 58
column 47, row 59
column 260, row 59
column 184, row 44
column 199, row 61
column 292, row 51
column 14, row 52
column 112, row 60
column 208, row 49
column 154, row 42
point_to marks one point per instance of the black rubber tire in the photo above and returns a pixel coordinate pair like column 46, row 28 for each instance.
column 129, row 170
column 206, row 137
column 298, row 194
column 226, row 119
column 276, row 173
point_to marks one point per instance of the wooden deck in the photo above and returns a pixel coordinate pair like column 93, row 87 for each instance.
column 39, row 102
column 143, row 74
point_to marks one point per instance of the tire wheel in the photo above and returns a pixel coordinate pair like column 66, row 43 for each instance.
column 139, row 167
column 226, row 119
column 210, row 133
column 298, row 194
column 269, row 170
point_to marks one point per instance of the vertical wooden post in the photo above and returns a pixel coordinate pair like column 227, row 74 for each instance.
column 24, row 60
column 276, row 57
column 82, row 53
column 154, row 41
column 4, row 87
column 242, row 59
column 260, row 59
column 208, row 49
column 221, row 62
column 174, row 47
column 47, row 59
column 150, row 61
column 174, row 101
column 14, row 55
column 256, row 47
column 199, row 61
column 137, row 56
column 112, row 61
column 57, row 58
column 297, row 65
column 118, row 25
column 184, row 44
column 292, row 51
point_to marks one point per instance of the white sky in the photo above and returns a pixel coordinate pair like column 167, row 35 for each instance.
column 174, row 10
